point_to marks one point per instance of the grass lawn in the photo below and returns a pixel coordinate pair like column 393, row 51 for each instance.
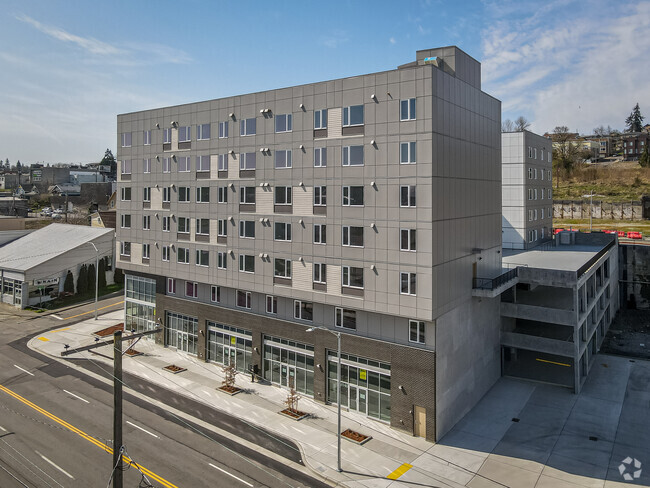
column 604, row 224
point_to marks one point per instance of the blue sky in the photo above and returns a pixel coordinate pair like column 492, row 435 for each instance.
column 67, row 68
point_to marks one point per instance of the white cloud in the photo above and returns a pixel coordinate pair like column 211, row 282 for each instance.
column 392, row 40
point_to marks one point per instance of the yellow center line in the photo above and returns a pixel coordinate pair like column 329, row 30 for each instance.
column 82, row 434
column 92, row 311
column 61, row 330
column 552, row 362
column 399, row 471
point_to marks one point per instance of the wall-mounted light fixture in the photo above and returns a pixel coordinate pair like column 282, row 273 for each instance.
column 173, row 123
column 374, row 97
column 231, row 152
column 157, row 126
column 301, row 106
column 231, row 115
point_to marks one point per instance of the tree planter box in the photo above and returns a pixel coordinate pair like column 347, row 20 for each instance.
column 133, row 353
column 355, row 437
column 174, row 369
column 109, row 331
column 293, row 414
column 229, row 390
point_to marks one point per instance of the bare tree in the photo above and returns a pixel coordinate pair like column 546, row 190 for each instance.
column 521, row 124
column 507, row 126
column 565, row 152
column 602, row 131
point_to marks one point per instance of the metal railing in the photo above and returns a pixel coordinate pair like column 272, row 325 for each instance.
column 492, row 283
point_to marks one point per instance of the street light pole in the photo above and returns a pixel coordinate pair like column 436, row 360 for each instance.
column 96, row 276
column 338, row 391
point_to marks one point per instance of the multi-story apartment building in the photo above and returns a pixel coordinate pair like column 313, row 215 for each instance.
column 633, row 144
column 362, row 205
column 527, row 189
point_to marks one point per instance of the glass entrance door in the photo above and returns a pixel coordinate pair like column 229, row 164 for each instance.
column 358, row 400
column 288, row 376
column 229, row 356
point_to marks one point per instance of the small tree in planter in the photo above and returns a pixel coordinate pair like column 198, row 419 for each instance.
column 228, row 384
column 292, row 403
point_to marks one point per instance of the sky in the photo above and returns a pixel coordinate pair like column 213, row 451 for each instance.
column 68, row 67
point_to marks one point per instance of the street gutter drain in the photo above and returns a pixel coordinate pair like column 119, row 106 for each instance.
column 515, row 419
column 593, row 438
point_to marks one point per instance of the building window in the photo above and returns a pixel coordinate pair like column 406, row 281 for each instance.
column 223, row 130
column 416, row 331
column 535, row 153
column 407, row 239
column 247, row 229
column 125, row 248
column 165, row 253
column 346, row 318
column 407, row 283
column 407, row 153
column 202, row 257
column 530, row 194
column 281, row 231
column 146, row 222
column 247, row 263
column 126, row 194
column 171, row 286
column 352, row 115
column 352, row 156
column 203, row 227
column 222, row 228
column 184, row 134
column 530, row 173
column 271, row 304
column 283, row 159
column 202, row 164
column 183, row 225
column 352, row 196
column 222, row 162
column 247, row 161
column 203, row 194
column 352, row 276
column 283, row 195
column 165, row 224
column 530, row 152
column 126, row 167
column 320, row 273
column 320, row 119
column 146, row 194
column 407, row 109
column 303, row 310
column 283, row 123
column 146, row 137
column 146, row 251
column 352, row 236
column 320, row 196
column 167, row 165
column 222, row 194
column 407, row 196
column 549, row 193
column 320, row 157
column 183, row 193
column 247, row 127
column 146, row 165
column 222, row 263
column 202, row 132
column 535, row 193
column 244, row 299
column 126, row 221
column 247, row 194
column 126, row 139
column 530, row 215
column 191, row 289
column 320, row 234
column 167, row 136
column 215, row 294
column 535, row 173
column 184, row 164
column 183, row 255
column 282, row 268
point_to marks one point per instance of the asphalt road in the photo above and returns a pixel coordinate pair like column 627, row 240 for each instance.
column 56, row 427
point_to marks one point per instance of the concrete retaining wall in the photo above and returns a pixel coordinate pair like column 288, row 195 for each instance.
column 579, row 209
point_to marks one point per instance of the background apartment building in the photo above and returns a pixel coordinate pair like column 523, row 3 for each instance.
column 364, row 205
column 527, row 189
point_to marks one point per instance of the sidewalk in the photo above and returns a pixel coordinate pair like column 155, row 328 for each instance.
column 363, row 466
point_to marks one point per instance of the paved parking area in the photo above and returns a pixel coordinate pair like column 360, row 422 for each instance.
column 532, row 435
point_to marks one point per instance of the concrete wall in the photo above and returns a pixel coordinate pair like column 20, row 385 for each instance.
column 579, row 209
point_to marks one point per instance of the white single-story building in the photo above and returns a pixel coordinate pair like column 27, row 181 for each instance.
column 33, row 268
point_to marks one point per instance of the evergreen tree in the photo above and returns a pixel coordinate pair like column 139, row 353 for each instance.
column 102, row 273
column 118, row 277
column 82, row 280
column 68, row 284
column 109, row 160
column 91, row 278
column 635, row 120
column 644, row 159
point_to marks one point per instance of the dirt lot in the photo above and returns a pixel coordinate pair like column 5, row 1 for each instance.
column 629, row 334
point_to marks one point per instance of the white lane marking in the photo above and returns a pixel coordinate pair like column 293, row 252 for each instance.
column 207, row 393
column 3, row 429
column 56, row 466
column 230, row 474
column 143, row 430
column 56, row 317
column 297, row 429
column 24, row 370
column 76, row 396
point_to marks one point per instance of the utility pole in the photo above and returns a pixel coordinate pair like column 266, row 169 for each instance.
column 117, row 465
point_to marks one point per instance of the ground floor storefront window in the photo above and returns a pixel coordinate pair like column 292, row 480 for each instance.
column 365, row 385
column 181, row 331
column 288, row 362
column 12, row 291
column 140, row 304
column 230, row 345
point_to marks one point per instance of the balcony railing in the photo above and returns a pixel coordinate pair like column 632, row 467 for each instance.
column 493, row 283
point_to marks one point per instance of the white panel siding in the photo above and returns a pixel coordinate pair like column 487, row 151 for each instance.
column 214, row 166
column 119, row 170
column 302, row 273
column 214, row 229
column 233, row 167
column 174, row 139
column 264, row 200
column 156, row 198
column 303, row 201
column 333, row 280
column 192, row 230
column 136, row 252
column 334, row 127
